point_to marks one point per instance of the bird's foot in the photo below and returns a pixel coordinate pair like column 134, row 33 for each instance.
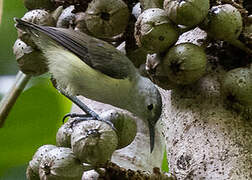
column 85, row 117
column 90, row 114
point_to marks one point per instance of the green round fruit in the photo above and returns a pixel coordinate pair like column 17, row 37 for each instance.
column 186, row 12
column 60, row 163
column 154, row 31
column 40, row 17
column 106, row 18
column 93, row 142
column 185, row 63
column 223, row 22
column 33, row 167
column 124, row 123
column 236, row 88
column 63, row 136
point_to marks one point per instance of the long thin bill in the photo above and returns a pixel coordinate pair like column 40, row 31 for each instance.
column 152, row 136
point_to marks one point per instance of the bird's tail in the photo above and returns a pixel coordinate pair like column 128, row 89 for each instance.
column 41, row 36
column 26, row 26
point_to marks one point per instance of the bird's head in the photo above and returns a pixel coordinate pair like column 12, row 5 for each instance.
column 148, row 105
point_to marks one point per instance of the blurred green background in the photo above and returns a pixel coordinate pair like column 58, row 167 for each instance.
column 37, row 114
column 11, row 9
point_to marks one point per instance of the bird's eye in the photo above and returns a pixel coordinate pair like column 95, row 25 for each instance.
column 150, row 107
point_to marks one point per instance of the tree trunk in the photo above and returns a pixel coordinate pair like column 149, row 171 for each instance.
column 203, row 139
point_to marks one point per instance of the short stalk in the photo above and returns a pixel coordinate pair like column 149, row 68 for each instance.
column 11, row 97
column 237, row 43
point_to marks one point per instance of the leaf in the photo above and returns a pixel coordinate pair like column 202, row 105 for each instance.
column 8, row 34
column 32, row 122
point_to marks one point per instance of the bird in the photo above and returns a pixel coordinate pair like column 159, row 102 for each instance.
column 90, row 67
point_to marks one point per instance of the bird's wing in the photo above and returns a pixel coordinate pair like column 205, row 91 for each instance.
column 94, row 52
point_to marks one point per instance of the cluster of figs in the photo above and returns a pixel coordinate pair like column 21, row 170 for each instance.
column 82, row 146
column 158, row 25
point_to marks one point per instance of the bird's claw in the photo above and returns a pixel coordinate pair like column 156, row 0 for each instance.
column 86, row 117
column 74, row 115
column 97, row 119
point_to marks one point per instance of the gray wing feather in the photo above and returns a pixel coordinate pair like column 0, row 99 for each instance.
column 96, row 53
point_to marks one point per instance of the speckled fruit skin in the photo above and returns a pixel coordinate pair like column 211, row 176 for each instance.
column 40, row 17
column 63, row 136
column 188, row 13
column 236, row 88
column 66, row 18
column 106, row 18
column 37, row 157
column 93, row 142
column 223, row 22
column 185, row 63
column 30, row 61
column 60, row 164
column 154, row 31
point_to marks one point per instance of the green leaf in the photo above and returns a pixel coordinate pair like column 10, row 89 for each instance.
column 33, row 122
column 8, row 34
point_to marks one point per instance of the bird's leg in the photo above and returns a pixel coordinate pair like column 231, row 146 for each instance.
column 82, row 106
column 90, row 114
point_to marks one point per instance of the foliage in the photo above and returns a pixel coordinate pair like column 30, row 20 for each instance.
column 33, row 121
column 8, row 34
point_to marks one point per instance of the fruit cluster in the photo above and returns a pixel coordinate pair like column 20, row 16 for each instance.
column 173, row 65
column 82, row 146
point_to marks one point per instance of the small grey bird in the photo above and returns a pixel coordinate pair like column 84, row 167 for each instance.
column 84, row 65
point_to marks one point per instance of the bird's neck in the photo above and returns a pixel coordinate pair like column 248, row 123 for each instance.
column 136, row 99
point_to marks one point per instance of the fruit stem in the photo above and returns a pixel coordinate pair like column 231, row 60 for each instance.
column 237, row 43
